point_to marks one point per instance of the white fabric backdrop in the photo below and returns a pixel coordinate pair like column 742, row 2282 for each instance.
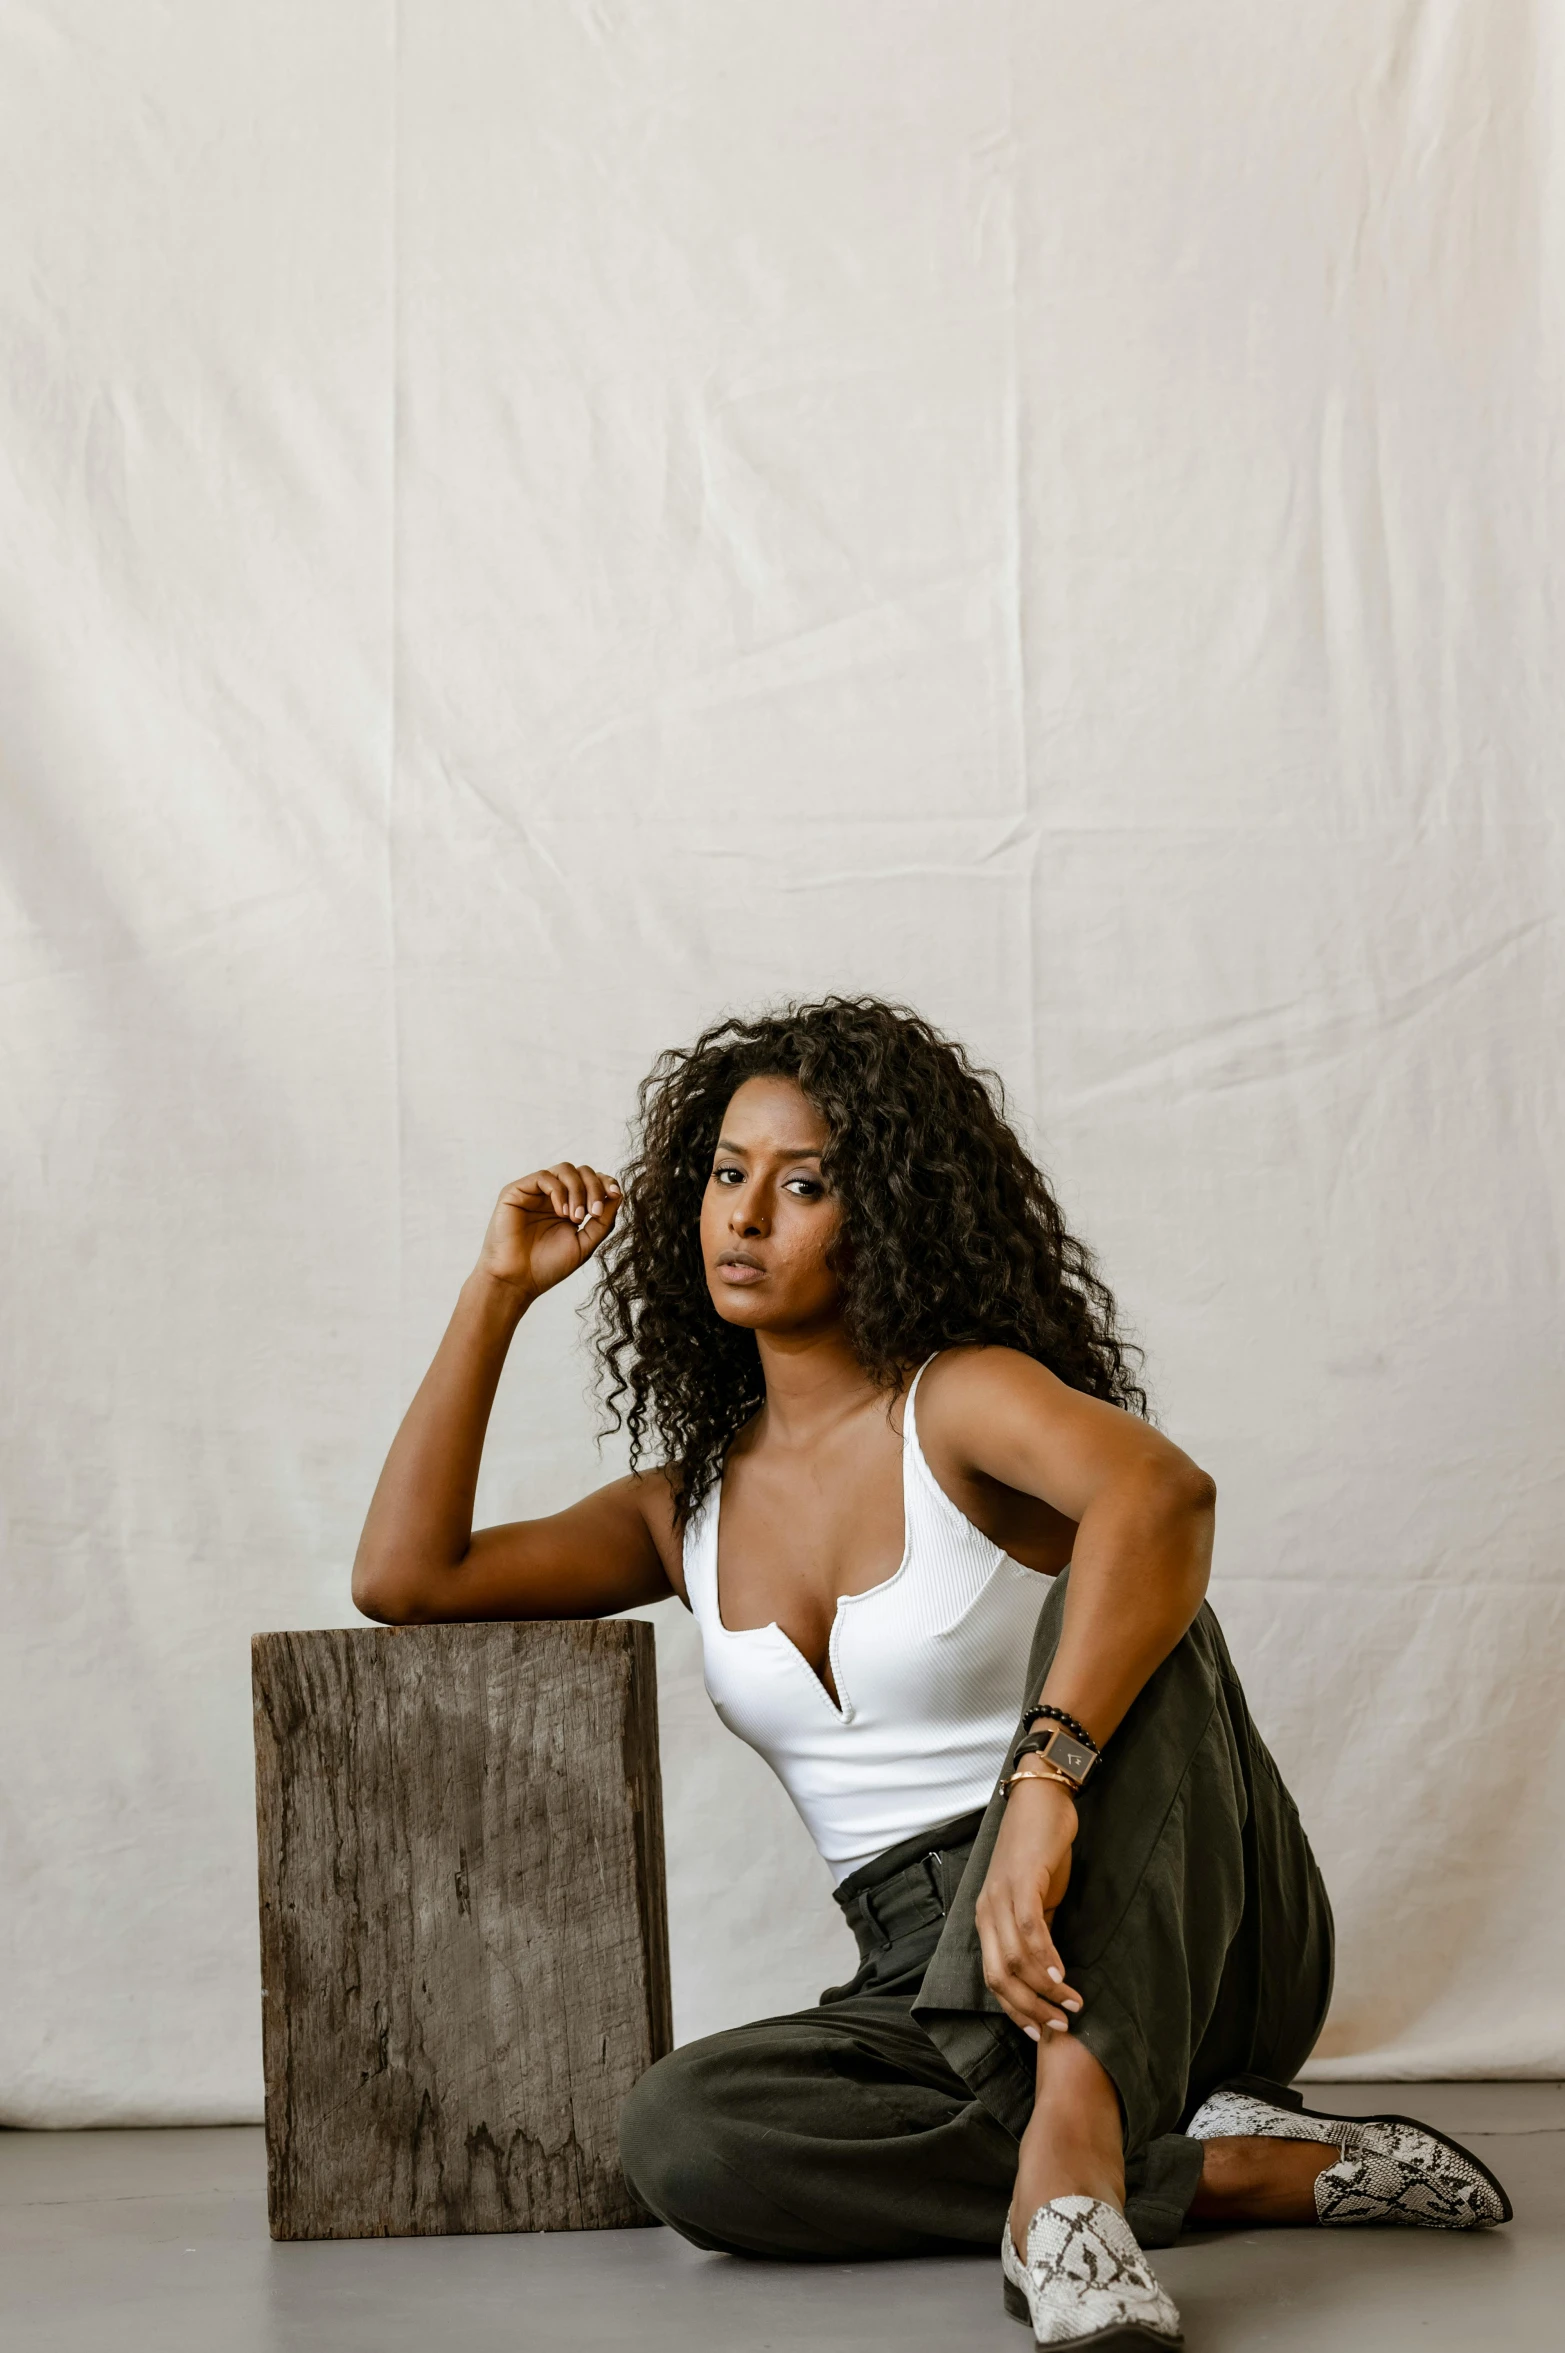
column 523, row 525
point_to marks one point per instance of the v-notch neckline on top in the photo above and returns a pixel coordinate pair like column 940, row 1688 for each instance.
column 843, row 1714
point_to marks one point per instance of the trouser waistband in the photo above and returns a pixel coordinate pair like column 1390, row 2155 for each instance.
column 910, row 1887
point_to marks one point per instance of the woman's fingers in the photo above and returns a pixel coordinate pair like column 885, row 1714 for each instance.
column 570, row 1190
column 1040, row 1962
column 596, row 1189
column 603, row 1203
column 573, row 1188
column 577, row 1195
column 542, row 1193
column 1015, row 1969
column 1026, row 2009
column 529, row 1192
column 1018, row 1922
column 1023, row 1971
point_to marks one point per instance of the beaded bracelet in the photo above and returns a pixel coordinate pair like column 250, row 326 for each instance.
column 1079, row 1731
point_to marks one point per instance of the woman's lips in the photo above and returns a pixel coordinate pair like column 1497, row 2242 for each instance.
column 729, row 1272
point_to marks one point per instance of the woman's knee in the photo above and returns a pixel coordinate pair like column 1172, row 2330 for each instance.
column 676, row 2140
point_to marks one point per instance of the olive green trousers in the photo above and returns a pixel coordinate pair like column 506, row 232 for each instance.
column 885, row 2121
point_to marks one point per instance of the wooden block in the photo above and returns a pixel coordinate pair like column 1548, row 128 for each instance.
column 464, row 1940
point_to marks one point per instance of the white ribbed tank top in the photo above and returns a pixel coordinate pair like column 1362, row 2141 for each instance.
column 930, row 1668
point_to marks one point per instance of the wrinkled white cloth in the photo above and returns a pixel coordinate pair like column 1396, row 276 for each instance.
column 519, row 529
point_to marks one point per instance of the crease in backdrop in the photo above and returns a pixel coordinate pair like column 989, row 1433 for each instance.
column 523, row 527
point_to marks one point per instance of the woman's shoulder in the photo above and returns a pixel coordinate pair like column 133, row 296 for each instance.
column 968, row 1395
column 962, row 1379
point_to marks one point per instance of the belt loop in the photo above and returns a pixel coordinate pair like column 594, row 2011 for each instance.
column 867, row 1901
column 935, row 1869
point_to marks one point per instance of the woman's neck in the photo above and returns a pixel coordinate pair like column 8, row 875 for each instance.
column 812, row 1380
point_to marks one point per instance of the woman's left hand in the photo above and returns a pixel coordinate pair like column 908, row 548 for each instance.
column 1028, row 1874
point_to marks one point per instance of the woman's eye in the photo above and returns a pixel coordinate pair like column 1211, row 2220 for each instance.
column 805, row 1187
column 724, row 1176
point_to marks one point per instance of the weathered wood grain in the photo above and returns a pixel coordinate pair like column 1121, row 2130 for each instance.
column 464, row 1946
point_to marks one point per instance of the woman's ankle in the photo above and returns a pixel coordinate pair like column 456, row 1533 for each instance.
column 1073, row 2146
column 1257, row 2181
column 1064, row 2164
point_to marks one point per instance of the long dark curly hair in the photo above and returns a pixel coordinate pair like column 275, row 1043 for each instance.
column 953, row 1236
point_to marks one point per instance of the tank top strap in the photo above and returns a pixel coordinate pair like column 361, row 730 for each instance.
column 917, row 1475
column 909, row 1413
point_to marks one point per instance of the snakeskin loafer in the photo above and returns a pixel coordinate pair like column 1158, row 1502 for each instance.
column 1086, row 2282
column 1392, row 2168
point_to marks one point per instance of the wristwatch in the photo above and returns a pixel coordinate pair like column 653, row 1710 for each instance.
column 1055, row 1746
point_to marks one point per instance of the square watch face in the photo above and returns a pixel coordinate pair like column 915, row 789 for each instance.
column 1070, row 1756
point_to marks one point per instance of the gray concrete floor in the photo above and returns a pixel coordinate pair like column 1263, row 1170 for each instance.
column 155, row 2242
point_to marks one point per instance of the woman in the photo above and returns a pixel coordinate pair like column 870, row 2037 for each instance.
column 950, row 1583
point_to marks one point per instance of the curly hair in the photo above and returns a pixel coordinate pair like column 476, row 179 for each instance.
column 953, row 1236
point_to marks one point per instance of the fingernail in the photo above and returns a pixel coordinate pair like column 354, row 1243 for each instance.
column 614, row 1184
column 1070, row 2005
column 577, row 1215
column 1058, row 2026
column 595, row 1208
column 1032, row 2032
column 1058, row 1976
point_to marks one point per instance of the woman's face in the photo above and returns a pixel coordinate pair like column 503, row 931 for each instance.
column 767, row 1219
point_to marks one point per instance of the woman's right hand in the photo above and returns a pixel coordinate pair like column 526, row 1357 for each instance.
column 547, row 1225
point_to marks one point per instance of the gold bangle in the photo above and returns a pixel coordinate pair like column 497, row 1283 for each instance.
column 1049, row 1773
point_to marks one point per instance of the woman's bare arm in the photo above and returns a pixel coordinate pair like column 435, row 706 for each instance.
column 1144, row 1515
column 418, row 1558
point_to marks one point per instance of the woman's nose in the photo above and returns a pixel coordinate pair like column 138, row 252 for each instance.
column 745, row 1217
